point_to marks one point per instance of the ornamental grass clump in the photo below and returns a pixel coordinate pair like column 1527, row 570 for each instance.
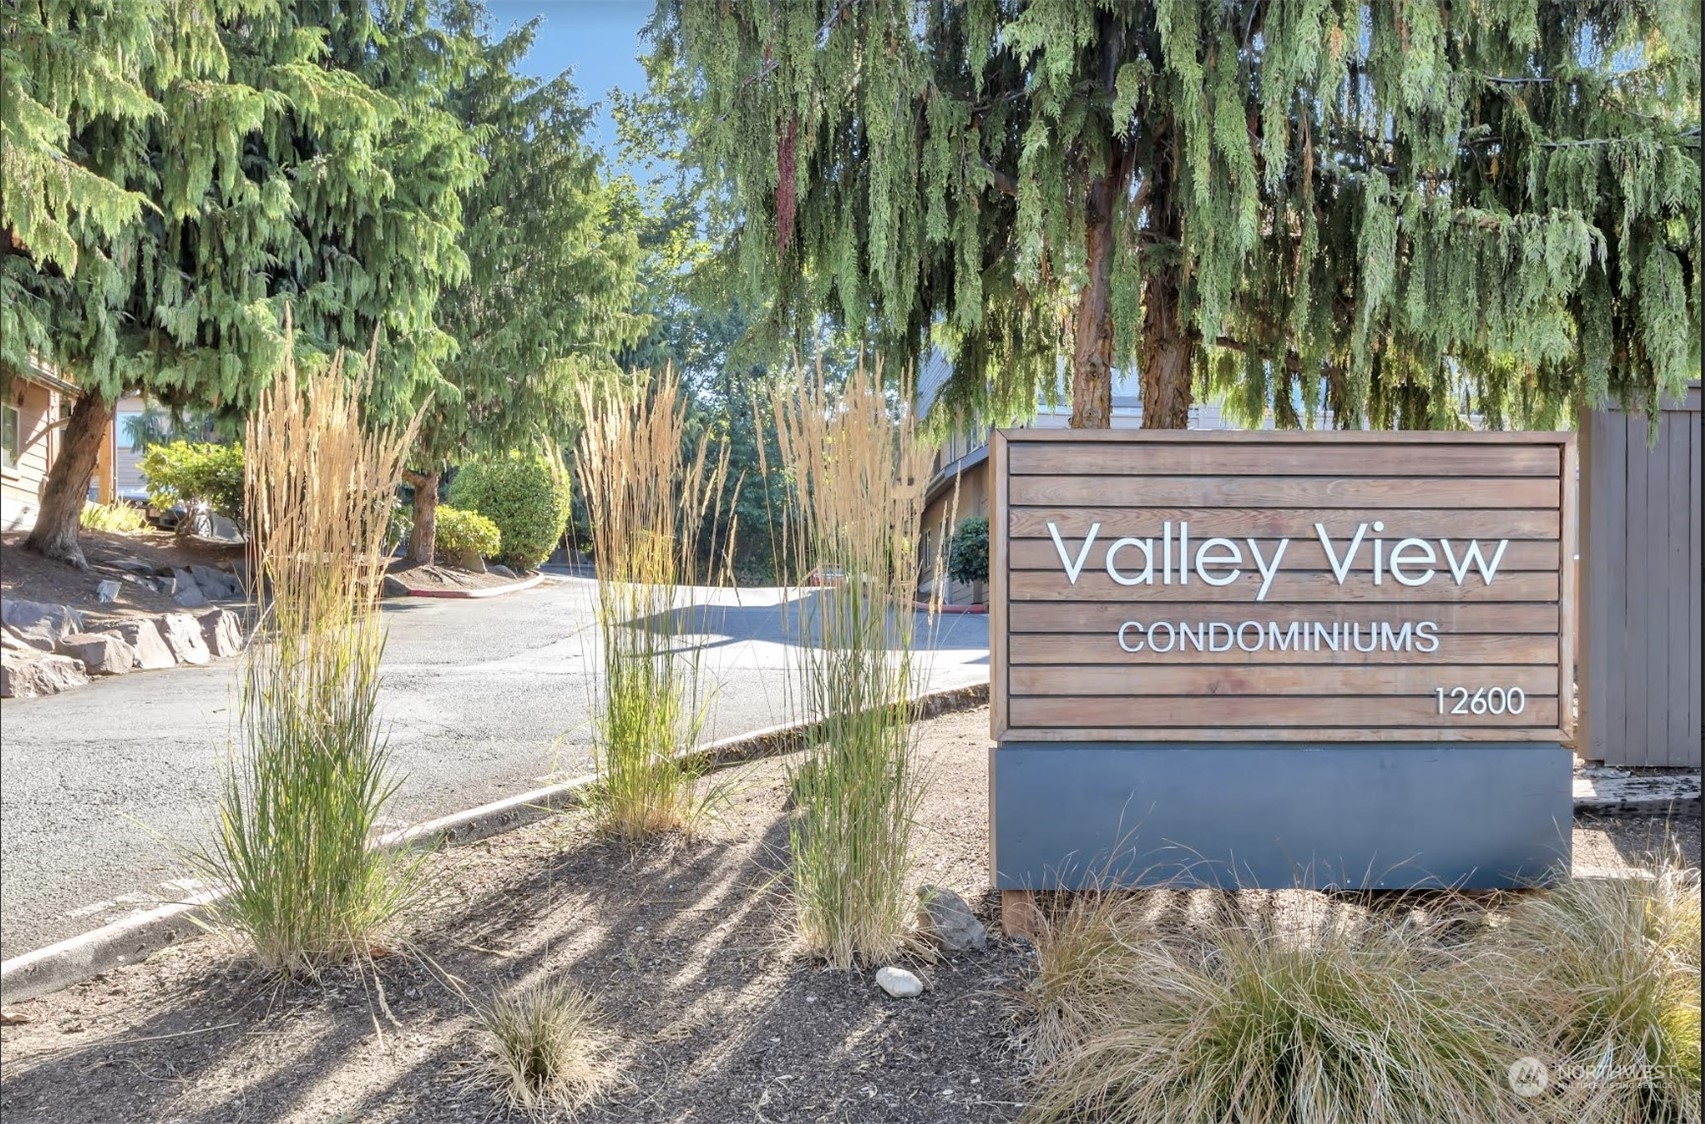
column 859, row 469
column 545, row 1049
column 1250, row 1019
column 1606, row 972
column 302, row 794
column 648, row 497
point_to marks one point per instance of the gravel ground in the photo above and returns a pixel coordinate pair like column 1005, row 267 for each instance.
column 684, row 945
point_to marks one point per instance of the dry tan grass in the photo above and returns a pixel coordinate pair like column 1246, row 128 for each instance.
column 859, row 468
column 649, row 499
column 302, row 795
column 545, row 1049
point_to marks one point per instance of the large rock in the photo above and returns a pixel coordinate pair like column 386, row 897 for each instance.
column 11, row 641
column 217, row 585
column 29, row 675
column 186, row 591
column 392, row 586
column 182, row 634
column 145, row 640
column 946, row 919
column 39, row 624
column 101, row 652
column 222, row 630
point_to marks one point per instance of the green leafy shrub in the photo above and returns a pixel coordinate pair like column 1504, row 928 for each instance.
column 123, row 518
column 528, row 501
column 465, row 538
column 188, row 473
column 968, row 556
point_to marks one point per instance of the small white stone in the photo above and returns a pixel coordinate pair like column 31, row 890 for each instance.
column 899, row 983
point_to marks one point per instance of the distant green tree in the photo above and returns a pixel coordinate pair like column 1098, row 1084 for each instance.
column 178, row 173
column 549, row 298
column 1404, row 211
column 968, row 555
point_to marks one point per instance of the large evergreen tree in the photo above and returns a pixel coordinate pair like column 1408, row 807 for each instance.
column 1403, row 209
column 549, row 297
column 204, row 163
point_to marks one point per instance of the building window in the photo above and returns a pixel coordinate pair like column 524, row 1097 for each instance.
column 9, row 436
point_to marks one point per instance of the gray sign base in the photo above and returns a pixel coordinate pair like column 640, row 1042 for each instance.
column 1072, row 816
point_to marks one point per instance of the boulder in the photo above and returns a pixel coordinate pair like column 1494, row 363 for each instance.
column 101, row 652
column 217, row 585
column 10, row 641
column 500, row 570
column 107, row 591
column 182, row 634
column 222, row 631
column 393, row 586
column 899, row 983
column 38, row 624
column 945, row 918
column 29, row 675
column 145, row 640
column 190, row 596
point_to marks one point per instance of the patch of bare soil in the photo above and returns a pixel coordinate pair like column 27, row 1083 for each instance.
column 684, row 945
column 430, row 576
column 27, row 576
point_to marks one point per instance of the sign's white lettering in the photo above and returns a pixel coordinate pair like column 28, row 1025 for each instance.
column 1220, row 561
column 1270, row 636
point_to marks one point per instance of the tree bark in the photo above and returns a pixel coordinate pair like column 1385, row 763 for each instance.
column 67, row 486
column 425, row 531
column 1092, row 353
column 1164, row 358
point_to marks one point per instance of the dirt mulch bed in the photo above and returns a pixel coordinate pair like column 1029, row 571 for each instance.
column 27, row 576
column 685, row 946
column 435, row 578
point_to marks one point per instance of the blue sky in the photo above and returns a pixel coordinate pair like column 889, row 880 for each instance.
column 595, row 39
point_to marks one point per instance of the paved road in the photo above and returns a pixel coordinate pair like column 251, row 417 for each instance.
column 485, row 699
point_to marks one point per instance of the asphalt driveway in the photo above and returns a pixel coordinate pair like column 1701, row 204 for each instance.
column 485, row 698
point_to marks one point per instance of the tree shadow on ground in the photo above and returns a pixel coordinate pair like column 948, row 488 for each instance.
column 683, row 945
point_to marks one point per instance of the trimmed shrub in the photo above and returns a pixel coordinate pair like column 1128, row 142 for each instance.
column 122, row 518
column 525, row 497
column 188, row 473
column 465, row 538
column 968, row 557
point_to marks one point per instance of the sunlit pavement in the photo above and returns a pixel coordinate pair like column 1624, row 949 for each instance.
column 483, row 699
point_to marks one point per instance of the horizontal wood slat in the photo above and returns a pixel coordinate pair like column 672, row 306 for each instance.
column 1080, row 616
column 1288, row 585
column 1142, row 716
column 1030, row 459
column 1208, row 682
column 1042, row 554
column 1289, row 491
column 1297, row 523
column 1102, row 647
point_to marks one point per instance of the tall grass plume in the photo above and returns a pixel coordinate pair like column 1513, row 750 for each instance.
column 859, row 469
column 301, row 797
column 650, row 500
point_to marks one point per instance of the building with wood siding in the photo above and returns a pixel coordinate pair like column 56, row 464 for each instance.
column 33, row 404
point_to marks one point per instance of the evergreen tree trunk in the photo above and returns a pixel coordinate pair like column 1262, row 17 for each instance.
column 1164, row 359
column 67, row 485
column 1092, row 353
column 424, row 534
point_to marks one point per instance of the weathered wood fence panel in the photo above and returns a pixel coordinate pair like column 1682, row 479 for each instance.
column 1641, row 570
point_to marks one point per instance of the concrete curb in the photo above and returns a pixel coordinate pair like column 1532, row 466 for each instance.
column 489, row 591
column 135, row 938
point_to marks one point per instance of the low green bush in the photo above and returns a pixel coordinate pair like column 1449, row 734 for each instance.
column 187, row 473
column 465, row 538
column 123, row 518
column 529, row 502
column 968, row 556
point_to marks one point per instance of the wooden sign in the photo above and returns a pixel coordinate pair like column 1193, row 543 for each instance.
column 1282, row 587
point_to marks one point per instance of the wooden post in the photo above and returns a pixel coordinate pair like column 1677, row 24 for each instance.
column 1020, row 916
